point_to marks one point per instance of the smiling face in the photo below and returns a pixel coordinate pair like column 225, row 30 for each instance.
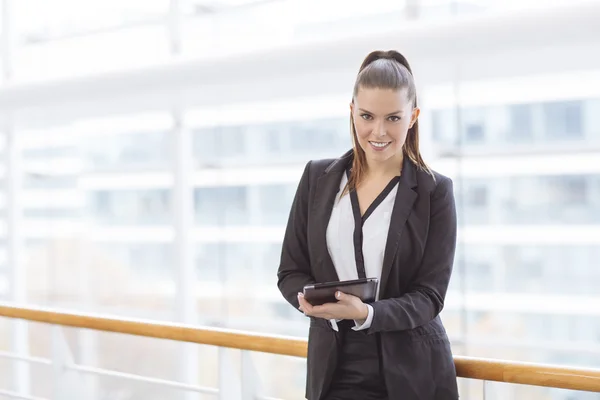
column 382, row 118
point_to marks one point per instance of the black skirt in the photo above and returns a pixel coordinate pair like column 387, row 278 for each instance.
column 358, row 375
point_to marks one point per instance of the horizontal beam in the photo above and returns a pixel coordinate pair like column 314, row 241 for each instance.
column 109, row 373
column 528, row 374
column 534, row 234
column 17, row 357
column 13, row 395
column 515, row 43
column 144, row 379
column 467, row 367
column 160, row 330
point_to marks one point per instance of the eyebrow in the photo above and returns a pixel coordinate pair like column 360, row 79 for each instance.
column 369, row 112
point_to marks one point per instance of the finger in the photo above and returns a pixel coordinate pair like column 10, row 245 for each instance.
column 299, row 296
column 343, row 297
column 304, row 305
column 302, row 301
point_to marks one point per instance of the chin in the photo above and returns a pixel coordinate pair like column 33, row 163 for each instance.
column 383, row 156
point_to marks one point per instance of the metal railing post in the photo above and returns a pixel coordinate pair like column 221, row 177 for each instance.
column 250, row 380
column 66, row 386
column 230, row 387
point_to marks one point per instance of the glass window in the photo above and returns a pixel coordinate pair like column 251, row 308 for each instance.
column 473, row 122
column 43, row 181
column 437, row 125
column 145, row 150
column 477, row 196
column 515, row 123
column 444, row 127
column 230, row 205
column 229, row 141
column 473, row 199
column 271, row 143
column 219, row 206
column 49, row 152
column 275, row 141
column 549, row 200
column 479, row 267
column 521, row 122
column 144, row 262
column 524, row 269
column 474, row 133
column 275, row 203
column 59, row 213
column 568, row 190
column 130, row 206
column 563, row 120
column 480, row 278
column 235, row 263
column 592, row 120
column 530, row 268
column 208, row 262
column 219, row 145
column 318, row 135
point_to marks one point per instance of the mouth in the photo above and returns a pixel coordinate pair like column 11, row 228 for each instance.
column 379, row 145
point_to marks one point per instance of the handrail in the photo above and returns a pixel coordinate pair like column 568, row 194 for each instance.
column 161, row 330
column 466, row 367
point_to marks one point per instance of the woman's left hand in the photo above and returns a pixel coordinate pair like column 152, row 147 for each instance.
column 347, row 307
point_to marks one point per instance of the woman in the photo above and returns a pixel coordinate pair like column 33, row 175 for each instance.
column 378, row 211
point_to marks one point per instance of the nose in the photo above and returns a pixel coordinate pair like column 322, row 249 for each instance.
column 379, row 129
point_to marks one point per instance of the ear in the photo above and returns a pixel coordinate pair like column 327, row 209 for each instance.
column 352, row 111
column 415, row 115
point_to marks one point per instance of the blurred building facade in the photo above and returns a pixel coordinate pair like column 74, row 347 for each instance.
column 151, row 154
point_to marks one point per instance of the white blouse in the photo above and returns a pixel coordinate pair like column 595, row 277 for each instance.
column 352, row 250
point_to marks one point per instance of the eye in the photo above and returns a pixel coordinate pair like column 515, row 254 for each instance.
column 394, row 118
column 366, row 117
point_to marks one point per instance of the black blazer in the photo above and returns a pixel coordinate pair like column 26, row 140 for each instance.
column 419, row 254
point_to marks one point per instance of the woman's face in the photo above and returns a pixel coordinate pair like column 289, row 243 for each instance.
column 382, row 118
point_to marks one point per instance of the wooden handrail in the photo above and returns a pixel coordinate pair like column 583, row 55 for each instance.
column 466, row 367
column 161, row 330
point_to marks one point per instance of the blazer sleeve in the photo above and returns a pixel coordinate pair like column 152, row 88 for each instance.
column 294, row 268
column 424, row 299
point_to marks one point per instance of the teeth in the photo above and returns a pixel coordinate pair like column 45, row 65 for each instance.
column 379, row 144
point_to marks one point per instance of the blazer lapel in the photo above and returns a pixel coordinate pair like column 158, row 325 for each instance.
column 326, row 189
column 405, row 198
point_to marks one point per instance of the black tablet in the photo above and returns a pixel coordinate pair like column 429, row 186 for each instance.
column 321, row 293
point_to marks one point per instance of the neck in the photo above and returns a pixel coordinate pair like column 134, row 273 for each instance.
column 388, row 168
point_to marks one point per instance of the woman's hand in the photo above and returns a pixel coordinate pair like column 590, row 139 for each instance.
column 347, row 307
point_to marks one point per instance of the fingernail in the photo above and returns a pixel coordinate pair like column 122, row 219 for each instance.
column 338, row 294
